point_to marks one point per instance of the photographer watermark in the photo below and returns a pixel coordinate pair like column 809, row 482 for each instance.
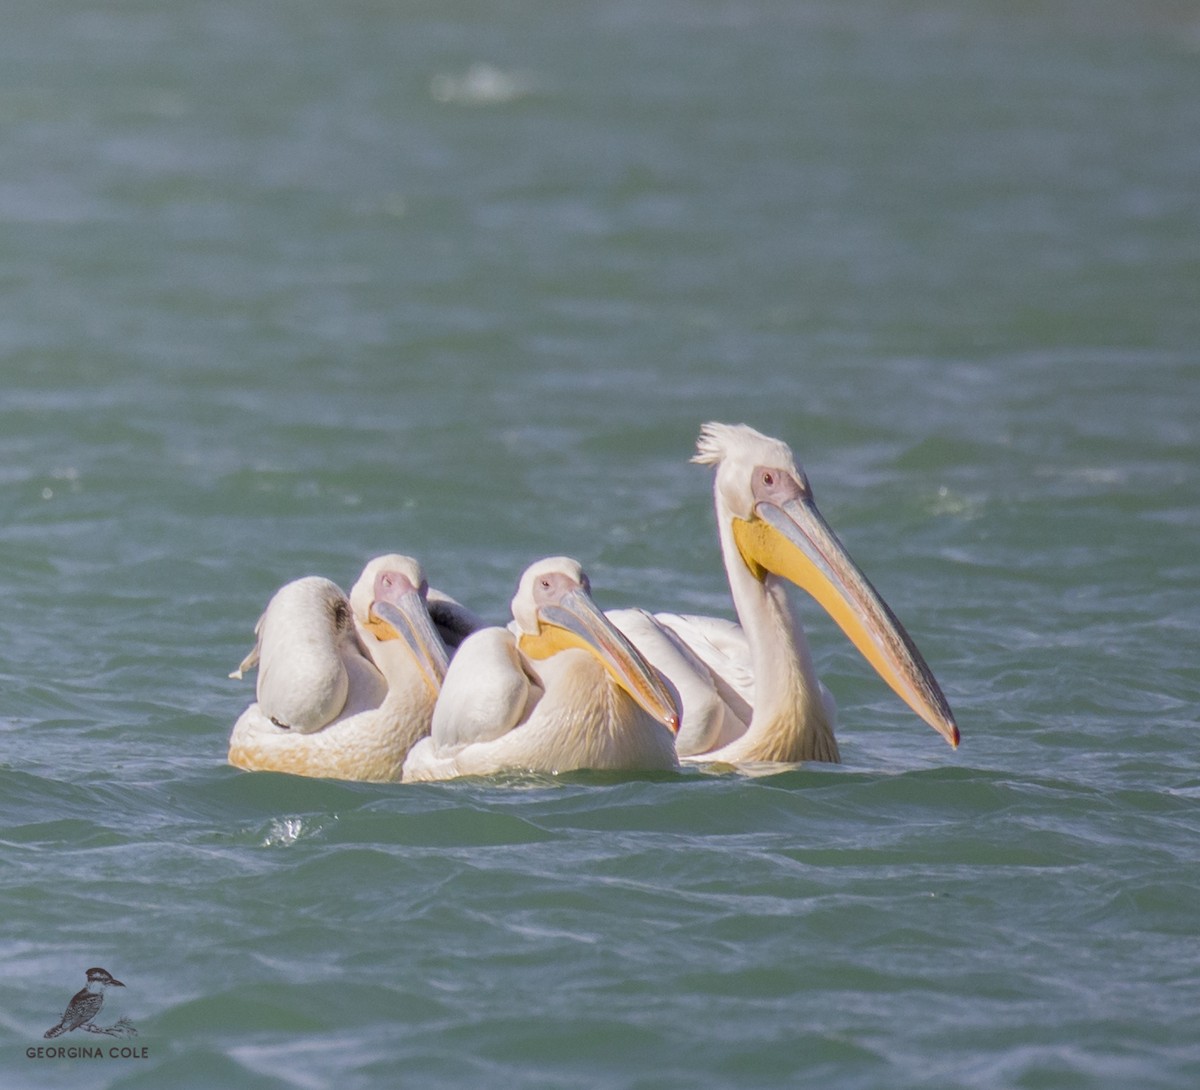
column 81, row 1014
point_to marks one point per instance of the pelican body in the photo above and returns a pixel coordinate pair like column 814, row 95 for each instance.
column 345, row 685
column 749, row 691
column 559, row 689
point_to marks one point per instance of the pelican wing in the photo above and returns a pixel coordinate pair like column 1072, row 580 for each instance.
column 708, row 719
column 722, row 646
column 488, row 690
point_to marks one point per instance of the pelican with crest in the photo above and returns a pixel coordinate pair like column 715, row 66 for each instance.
column 559, row 689
column 749, row 692
column 346, row 686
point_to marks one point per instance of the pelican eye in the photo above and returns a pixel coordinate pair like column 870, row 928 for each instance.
column 774, row 484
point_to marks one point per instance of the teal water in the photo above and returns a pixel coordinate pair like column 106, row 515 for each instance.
column 286, row 285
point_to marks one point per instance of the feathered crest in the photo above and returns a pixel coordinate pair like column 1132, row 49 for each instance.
column 713, row 442
column 718, row 441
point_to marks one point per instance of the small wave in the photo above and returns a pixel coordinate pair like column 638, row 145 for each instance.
column 480, row 85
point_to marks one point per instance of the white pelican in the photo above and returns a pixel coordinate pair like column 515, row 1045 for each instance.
column 345, row 686
column 559, row 689
column 751, row 693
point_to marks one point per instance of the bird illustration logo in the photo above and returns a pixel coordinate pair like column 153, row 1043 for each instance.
column 85, row 1005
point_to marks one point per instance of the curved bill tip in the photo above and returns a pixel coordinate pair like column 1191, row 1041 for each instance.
column 792, row 540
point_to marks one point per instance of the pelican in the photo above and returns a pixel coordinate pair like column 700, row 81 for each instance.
column 345, row 685
column 750, row 692
column 559, row 689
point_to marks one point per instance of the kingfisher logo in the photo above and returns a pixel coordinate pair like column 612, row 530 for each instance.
column 85, row 1008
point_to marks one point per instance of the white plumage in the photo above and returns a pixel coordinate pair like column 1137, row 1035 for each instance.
column 749, row 692
column 345, row 685
column 560, row 689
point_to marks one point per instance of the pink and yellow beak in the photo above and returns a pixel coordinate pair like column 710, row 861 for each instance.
column 787, row 536
column 576, row 621
column 398, row 611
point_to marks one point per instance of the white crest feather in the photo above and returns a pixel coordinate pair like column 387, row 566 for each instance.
column 717, row 442
column 713, row 442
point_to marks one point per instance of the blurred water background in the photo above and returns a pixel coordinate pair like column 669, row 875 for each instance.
column 287, row 284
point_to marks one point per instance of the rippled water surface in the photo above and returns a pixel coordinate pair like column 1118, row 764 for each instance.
column 286, row 285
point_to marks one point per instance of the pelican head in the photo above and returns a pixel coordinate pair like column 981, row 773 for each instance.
column 389, row 602
column 765, row 499
column 553, row 611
